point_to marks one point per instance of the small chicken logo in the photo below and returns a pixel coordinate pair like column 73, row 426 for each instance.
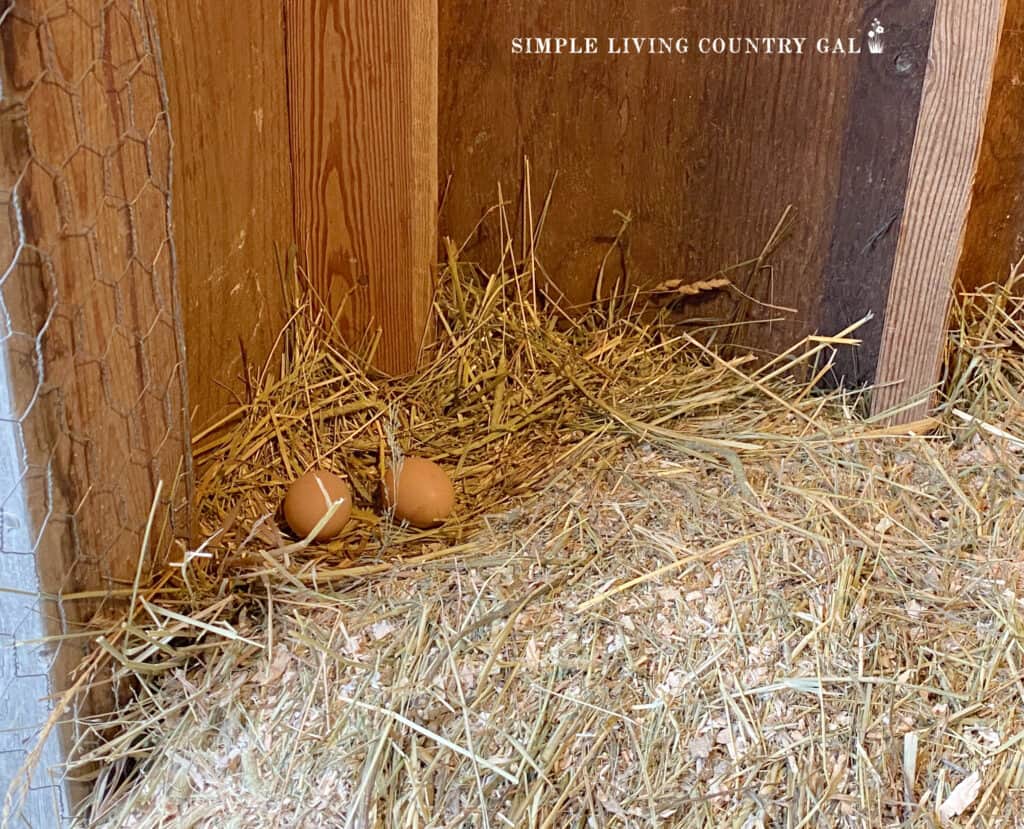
column 876, row 43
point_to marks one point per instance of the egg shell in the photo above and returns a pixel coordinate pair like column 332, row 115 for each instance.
column 424, row 495
column 305, row 504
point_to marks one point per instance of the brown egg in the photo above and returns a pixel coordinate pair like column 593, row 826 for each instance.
column 310, row 497
column 423, row 496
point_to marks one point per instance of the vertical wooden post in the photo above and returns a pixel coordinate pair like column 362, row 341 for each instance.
column 884, row 102
column 957, row 87
column 93, row 423
column 362, row 94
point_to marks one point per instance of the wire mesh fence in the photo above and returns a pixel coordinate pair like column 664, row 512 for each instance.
column 92, row 390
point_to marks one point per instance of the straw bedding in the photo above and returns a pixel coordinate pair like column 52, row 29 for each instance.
column 681, row 590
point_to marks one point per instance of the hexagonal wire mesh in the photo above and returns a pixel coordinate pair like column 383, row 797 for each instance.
column 92, row 390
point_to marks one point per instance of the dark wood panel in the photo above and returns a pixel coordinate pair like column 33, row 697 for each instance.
column 225, row 73
column 881, row 120
column 706, row 152
column 995, row 227
column 362, row 81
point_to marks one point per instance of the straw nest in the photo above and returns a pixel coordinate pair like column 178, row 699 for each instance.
column 681, row 590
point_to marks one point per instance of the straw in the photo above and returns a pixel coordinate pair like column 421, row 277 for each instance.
column 682, row 587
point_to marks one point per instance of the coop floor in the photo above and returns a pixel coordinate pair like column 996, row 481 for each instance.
column 639, row 645
column 682, row 589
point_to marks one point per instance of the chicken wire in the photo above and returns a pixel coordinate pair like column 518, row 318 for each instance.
column 92, row 390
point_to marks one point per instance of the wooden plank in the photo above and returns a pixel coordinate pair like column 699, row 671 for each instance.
column 362, row 81
column 705, row 151
column 995, row 226
column 93, row 415
column 965, row 39
column 225, row 76
column 878, row 139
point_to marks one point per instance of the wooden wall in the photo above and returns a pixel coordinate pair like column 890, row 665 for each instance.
column 92, row 382
column 225, row 74
column 312, row 122
column 705, row 151
column 995, row 228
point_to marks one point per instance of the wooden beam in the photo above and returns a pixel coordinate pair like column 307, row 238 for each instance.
column 965, row 39
column 225, row 77
column 92, row 381
column 995, row 226
column 878, row 141
column 362, row 91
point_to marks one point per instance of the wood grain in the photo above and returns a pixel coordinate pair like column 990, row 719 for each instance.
column 995, row 226
column 706, row 152
column 93, row 289
column 881, row 120
column 94, row 398
column 225, row 76
column 965, row 39
column 362, row 86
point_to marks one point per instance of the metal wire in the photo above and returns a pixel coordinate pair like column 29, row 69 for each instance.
column 93, row 404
